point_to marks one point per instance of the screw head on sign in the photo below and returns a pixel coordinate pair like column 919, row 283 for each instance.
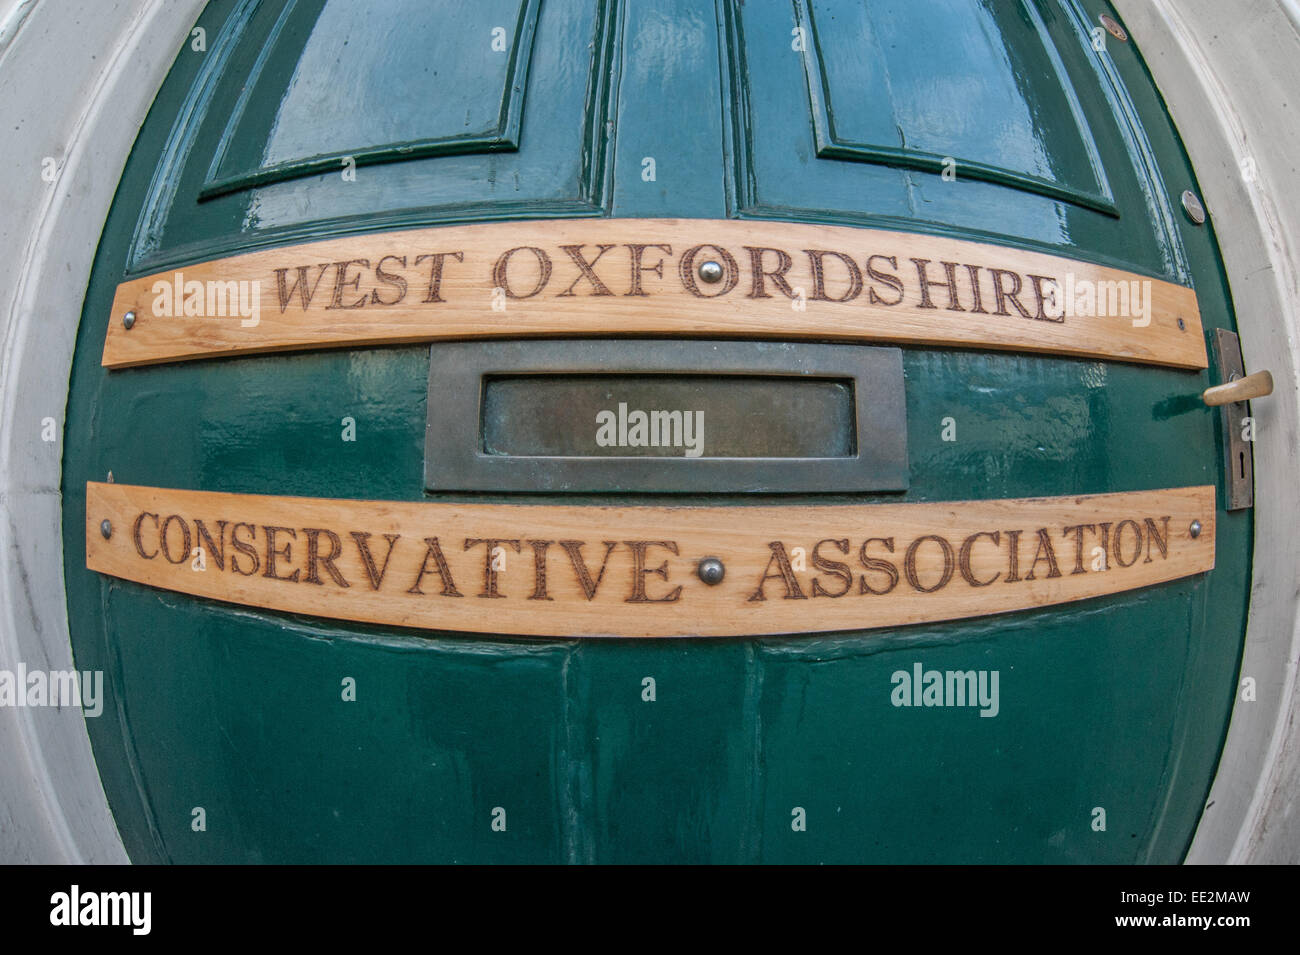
column 711, row 571
column 711, row 271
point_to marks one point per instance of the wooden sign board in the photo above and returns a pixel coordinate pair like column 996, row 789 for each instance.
column 591, row 571
column 652, row 277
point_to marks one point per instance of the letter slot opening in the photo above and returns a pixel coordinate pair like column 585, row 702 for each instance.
column 665, row 416
column 734, row 416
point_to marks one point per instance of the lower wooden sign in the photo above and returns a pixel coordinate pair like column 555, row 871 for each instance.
column 588, row 571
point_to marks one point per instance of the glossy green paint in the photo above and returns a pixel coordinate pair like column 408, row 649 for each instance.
column 1118, row 702
column 286, row 124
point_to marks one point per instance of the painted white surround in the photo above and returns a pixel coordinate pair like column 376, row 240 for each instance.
column 76, row 79
column 1229, row 71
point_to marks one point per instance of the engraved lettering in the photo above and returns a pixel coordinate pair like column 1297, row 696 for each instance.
column 1119, row 536
column 1161, row 540
column 315, row 559
column 639, row 572
column 574, row 550
column 489, row 571
column 273, row 552
column 342, row 282
column 757, row 273
column 784, row 573
column 299, row 285
column 686, row 269
column 1078, row 544
column 877, row 565
column 587, row 269
column 436, row 260
column 434, row 553
column 216, row 549
column 950, row 282
column 1044, row 552
column 539, row 570
column 909, row 563
column 163, row 539
column 1013, row 560
column 817, row 259
column 501, row 271
column 637, row 250
column 1004, row 296
column 893, row 281
column 1105, row 538
column 391, row 279
column 374, row 574
column 1042, row 316
column 135, row 534
column 963, row 558
column 835, row 568
column 974, row 272
column 246, row 548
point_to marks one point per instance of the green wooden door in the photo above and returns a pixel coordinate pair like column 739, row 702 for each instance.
column 318, row 118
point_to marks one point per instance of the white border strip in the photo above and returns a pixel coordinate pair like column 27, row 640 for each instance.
column 77, row 78
column 1225, row 75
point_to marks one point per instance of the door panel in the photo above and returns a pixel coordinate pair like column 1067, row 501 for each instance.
column 241, row 164
column 1002, row 109
column 290, row 119
column 902, row 115
column 1117, row 702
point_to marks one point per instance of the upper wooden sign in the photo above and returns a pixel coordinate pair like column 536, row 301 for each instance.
column 667, row 277
column 562, row 570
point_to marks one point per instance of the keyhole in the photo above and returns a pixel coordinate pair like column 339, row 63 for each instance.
column 1241, row 461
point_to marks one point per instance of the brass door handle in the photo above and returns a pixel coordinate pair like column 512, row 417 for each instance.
column 1243, row 389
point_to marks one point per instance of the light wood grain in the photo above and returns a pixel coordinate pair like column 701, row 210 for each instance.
column 879, row 312
column 745, row 538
